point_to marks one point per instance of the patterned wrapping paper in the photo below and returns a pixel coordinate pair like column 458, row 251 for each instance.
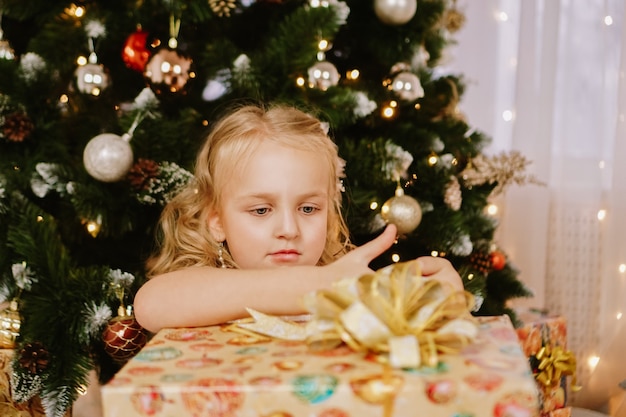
column 9, row 408
column 210, row 371
column 540, row 330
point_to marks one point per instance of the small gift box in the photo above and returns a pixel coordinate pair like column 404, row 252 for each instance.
column 544, row 341
column 403, row 364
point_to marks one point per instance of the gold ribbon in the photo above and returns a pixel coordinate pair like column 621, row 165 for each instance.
column 394, row 312
column 555, row 362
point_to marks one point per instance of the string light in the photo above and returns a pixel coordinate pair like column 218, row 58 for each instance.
column 618, row 316
column 353, row 74
column 373, row 205
column 389, row 110
column 608, row 20
column 593, row 361
column 75, row 10
column 300, row 81
column 81, row 60
column 395, row 257
column 622, row 268
column 492, row 209
column 502, row 16
column 601, row 214
column 434, row 253
column 433, row 159
column 93, row 226
column 507, row 115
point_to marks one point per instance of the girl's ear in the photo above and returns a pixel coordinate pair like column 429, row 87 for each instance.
column 215, row 227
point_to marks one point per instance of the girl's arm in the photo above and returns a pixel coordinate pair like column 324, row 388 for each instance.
column 203, row 296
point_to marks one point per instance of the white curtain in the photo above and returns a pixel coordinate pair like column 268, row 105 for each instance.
column 548, row 78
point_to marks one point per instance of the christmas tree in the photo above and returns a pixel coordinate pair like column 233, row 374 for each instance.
column 103, row 105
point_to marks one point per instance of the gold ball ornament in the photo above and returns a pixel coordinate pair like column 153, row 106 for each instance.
column 10, row 323
column 168, row 71
column 395, row 12
column 402, row 210
column 108, row 157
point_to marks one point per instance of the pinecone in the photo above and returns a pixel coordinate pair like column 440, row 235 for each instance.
column 17, row 126
column 34, row 357
column 453, row 196
column 142, row 173
column 453, row 20
column 222, row 7
column 481, row 261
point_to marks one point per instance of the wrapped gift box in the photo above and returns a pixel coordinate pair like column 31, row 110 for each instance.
column 539, row 330
column 212, row 371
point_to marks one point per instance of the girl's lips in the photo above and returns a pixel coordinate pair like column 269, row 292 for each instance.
column 285, row 255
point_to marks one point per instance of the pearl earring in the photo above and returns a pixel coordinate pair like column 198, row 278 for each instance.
column 220, row 255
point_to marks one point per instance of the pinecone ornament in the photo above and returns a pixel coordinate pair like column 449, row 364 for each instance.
column 123, row 337
column 34, row 358
column 17, row 126
column 481, row 261
column 222, row 7
column 452, row 195
column 142, row 173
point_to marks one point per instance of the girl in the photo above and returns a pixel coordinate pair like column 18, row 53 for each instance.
column 259, row 227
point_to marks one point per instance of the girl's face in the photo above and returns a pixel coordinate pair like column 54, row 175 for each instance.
column 274, row 209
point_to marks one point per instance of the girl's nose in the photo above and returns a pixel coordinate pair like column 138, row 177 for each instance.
column 287, row 226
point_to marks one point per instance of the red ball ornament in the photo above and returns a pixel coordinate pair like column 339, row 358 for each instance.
column 123, row 338
column 498, row 260
column 135, row 53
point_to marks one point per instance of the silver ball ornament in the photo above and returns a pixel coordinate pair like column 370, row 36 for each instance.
column 395, row 12
column 108, row 157
column 403, row 211
column 323, row 75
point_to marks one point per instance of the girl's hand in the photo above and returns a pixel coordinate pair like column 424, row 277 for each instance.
column 355, row 263
column 442, row 270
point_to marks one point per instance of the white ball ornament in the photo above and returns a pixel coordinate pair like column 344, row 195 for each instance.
column 108, row 157
column 407, row 86
column 395, row 12
column 92, row 79
column 323, row 75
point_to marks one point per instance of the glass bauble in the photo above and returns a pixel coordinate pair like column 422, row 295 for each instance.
column 10, row 323
column 403, row 211
column 168, row 71
column 323, row 75
column 135, row 52
column 123, row 338
column 395, row 12
column 407, row 86
column 108, row 157
column 92, row 79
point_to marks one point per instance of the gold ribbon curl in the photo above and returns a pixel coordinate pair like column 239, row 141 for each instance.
column 555, row 362
column 404, row 318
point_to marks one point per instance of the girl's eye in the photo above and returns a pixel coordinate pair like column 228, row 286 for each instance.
column 260, row 211
column 308, row 209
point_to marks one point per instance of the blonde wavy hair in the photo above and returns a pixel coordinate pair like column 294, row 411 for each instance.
column 183, row 232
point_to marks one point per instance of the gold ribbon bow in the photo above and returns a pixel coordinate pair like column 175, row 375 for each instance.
column 555, row 362
column 395, row 312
